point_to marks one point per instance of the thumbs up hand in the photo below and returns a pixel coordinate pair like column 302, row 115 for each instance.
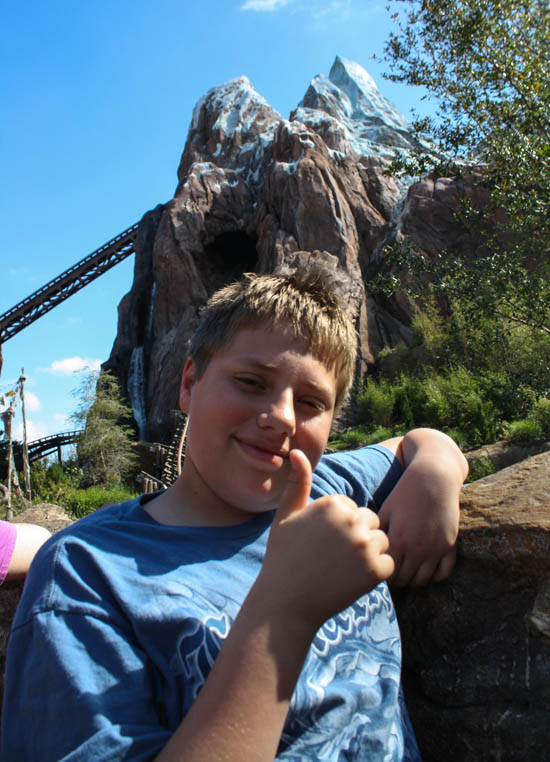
column 321, row 556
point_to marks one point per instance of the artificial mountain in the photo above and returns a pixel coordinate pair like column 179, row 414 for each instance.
column 256, row 191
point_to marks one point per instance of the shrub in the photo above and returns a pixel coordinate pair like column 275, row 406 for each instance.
column 378, row 435
column 376, row 402
column 358, row 437
column 56, row 474
column 81, row 502
column 540, row 415
column 479, row 468
column 525, row 430
column 437, row 409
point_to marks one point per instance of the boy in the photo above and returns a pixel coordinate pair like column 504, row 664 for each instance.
column 113, row 648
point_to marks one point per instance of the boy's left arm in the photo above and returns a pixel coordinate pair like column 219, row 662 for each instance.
column 420, row 516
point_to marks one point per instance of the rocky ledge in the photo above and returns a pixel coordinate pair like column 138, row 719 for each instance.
column 477, row 647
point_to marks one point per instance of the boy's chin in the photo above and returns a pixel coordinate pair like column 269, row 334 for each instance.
column 260, row 501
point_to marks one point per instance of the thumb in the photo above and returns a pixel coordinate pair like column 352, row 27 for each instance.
column 298, row 486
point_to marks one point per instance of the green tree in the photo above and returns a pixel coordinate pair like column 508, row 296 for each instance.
column 486, row 65
column 106, row 448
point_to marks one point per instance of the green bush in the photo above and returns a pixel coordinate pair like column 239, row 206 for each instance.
column 379, row 434
column 540, row 415
column 60, row 484
column 479, row 468
column 464, row 372
column 56, row 474
column 456, row 399
column 79, row 503
column 376, row 401
column 526, row 430
column 49, row 484
column 358, row 437
column 437, row 409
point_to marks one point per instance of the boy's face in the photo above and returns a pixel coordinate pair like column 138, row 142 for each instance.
column 258, row 398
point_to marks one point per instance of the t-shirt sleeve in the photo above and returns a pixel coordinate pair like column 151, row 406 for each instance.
column 366, row 475
column 8, row 535
column 80, row 670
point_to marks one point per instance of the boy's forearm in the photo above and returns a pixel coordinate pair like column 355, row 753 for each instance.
column 421, row 513
column 240, row 711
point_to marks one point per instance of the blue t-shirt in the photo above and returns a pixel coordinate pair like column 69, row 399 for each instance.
column 122, row 617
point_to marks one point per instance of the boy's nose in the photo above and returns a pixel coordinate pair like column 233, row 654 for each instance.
column 279, row 415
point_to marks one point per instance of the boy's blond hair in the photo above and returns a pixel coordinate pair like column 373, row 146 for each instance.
column 306, row 299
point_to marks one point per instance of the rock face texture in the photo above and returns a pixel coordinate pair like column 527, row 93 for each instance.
column 256, row 191
column 477, row 647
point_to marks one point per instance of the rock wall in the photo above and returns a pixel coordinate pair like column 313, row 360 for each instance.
column 477, row 647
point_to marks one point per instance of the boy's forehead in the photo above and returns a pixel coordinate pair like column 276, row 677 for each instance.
column 268, row 340
column 267, row 347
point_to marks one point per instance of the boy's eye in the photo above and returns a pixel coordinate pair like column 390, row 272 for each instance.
column 313, row 404
column 249, row 381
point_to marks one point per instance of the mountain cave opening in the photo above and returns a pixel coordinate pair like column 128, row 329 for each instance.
column 227, row 258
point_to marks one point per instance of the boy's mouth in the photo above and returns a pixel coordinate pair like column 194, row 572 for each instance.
column 263, row 451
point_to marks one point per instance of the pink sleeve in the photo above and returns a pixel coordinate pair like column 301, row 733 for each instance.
column 8, row 533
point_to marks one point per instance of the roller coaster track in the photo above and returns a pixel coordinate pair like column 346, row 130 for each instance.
column 67, row 284
column 38, row 448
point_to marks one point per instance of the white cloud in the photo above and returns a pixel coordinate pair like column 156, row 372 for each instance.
column 34, row 431
column 264, row 5
column 32, row 403
column 320, row 12
column 72, row 365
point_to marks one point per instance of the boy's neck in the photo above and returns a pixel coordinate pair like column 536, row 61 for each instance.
column 176, row 506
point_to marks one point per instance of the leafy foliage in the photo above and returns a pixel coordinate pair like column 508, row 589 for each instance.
column 486, row 64
column 61, row 485
column 451, row 400
column 479, row 468
column 459, row 378
column 106, row 448
column 361, row 436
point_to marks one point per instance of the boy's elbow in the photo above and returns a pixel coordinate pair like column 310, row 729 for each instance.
column 437, row 444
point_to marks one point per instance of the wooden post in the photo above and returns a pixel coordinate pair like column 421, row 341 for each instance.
column 26, row 467
column 7, row 415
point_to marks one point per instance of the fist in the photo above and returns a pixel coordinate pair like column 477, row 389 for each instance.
column 321, row 556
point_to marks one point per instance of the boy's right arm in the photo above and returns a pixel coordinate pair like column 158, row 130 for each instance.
column 320, row 558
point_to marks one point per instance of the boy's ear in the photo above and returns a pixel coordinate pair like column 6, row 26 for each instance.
column 187, row 381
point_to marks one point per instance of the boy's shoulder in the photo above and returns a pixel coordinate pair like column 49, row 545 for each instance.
column 106, row 517
column 80, row 553
column 367, row 474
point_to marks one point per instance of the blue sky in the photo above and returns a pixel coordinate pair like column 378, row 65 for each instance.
column 96, row 100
